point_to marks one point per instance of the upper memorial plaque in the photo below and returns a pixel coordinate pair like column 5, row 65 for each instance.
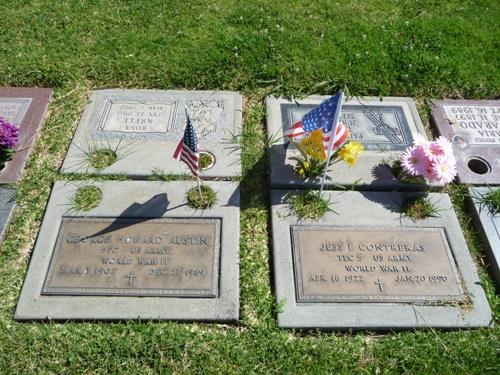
column 366, row 266
column 141, row 128
column 25, row 108
column 385, row 126
column 473, row 127
column 141, row 253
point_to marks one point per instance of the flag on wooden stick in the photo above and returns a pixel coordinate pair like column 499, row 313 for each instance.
column 188, row 149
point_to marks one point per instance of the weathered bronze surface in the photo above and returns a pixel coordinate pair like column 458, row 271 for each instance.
column 334, row 264
column 135, row 257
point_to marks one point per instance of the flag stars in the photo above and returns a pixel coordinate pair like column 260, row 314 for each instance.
column 321, row 117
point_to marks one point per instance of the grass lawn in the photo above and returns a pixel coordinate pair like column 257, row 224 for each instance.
column 378, row 47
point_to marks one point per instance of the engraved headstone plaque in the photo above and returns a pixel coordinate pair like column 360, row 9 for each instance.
column 385, row 126
column 14, row 109
column 476, row 125
column 25, row 108
column 377, row 127
column 142, row 253
column 367, row 266
column 373, row 264
column 147, row 116
column 143, row 126
column 127, row 256
column 473, row 127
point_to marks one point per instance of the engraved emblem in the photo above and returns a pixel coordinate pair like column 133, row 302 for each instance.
column 380, row 284
column 383, row 128
column 205, row 115
column 131, row 276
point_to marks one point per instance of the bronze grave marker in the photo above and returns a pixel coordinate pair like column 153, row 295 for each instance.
column 473, row 128
column 373, row 264
column 135, row 257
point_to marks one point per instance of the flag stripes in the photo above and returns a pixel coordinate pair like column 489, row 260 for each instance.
column 183, row 153
column 341, row 134
column 188, row 150
column 295, row 130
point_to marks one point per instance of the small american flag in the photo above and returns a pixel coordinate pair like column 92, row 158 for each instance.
column 322, row 117
column 188, row 150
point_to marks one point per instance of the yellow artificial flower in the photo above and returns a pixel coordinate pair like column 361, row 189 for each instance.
column 350, row 152
column 313, row 145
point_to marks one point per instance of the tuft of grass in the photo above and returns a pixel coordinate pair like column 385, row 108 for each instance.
column 418, row 208
column 207, row 160
column 490, row 200
column 102, row 154
column 87, row 198
column 307, row 205
column 103, row 158
column 207, row 198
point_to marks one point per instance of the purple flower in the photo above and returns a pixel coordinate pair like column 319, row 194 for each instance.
column 9, row 134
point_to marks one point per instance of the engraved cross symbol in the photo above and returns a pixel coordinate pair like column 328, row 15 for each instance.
column 380, row 284
column 382, row 128
column 131, row 276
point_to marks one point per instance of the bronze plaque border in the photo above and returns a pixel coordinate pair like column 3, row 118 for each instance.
column 210, row 293
column 302, row 298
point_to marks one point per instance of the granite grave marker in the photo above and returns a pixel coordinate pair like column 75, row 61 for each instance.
column 488, row 224
column 473, row 127
column 385, row 127
column 142, row 253
column 143, row 127
column 365, row 266
column 25, row 108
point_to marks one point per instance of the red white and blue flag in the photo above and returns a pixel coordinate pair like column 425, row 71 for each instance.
column 188, row 149
column 322, row 117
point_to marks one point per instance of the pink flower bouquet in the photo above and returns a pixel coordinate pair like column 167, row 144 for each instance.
column 433, row 160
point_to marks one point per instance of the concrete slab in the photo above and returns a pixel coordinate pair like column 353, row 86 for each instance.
column 473, row 127
column 125, row 272
column 25, row 107
column 7, row 205
column 145, row 126
column 403, row 274
column 488, row 224
column 386, row 126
